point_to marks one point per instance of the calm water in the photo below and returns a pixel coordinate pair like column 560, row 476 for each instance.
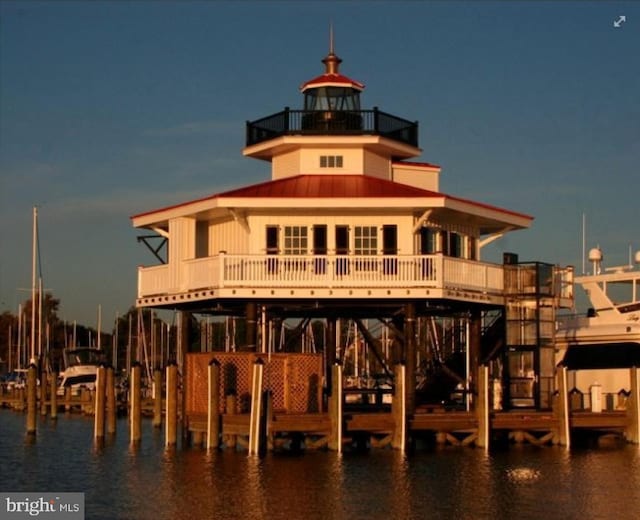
column 150, row 483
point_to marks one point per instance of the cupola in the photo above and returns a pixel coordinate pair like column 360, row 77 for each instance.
column 332, row 90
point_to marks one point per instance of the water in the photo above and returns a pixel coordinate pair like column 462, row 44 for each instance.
column 149, row 482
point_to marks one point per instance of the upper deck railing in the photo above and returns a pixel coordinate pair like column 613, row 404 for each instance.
column 332, row 122
column 322, row 271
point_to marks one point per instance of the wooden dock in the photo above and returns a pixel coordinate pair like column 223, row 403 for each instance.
column 271, row 422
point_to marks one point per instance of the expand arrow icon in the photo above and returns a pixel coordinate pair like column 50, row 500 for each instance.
column 618, row 23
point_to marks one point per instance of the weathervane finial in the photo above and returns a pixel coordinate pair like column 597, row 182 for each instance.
column 331, row 62
column 331, row 38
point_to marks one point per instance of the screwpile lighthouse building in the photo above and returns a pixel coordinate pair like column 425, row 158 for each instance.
column 348, row 227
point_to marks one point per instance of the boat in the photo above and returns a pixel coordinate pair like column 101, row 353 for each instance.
column 80, row 369
column 601, row 347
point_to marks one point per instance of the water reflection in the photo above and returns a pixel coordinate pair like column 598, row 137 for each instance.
column 148, row 481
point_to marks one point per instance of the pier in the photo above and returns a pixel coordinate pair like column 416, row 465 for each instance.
column 295, row 415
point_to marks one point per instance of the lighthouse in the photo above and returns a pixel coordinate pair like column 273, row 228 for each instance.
column 347, row 228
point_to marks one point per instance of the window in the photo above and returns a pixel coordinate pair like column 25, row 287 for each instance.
column 295, row 240
column 202, row 239
column 366, row 243
column 272, row 240
column 331, row 161
column 473, row 248
column 366, row 240
column 428, row 240
column 452, row 244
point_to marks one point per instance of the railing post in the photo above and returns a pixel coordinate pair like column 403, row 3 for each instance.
column 375, row 120
column 221, row 269
column 286, row 119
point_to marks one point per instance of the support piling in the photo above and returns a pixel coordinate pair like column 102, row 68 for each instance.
column 54, row 395
column 171, row 429
column 135, row 413
column 32, row 375
column 157, row 398
column 213, row 407
column 111, row 400
column 100, row 402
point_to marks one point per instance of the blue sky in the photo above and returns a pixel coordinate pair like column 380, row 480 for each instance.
column 108, row 109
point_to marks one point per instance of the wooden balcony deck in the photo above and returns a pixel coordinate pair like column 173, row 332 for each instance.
column 320, row 276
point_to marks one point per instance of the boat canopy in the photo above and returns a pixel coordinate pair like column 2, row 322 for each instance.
column 595, row 356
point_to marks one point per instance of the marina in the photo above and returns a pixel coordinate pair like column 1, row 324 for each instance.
column 261, row 282
column 369, row 322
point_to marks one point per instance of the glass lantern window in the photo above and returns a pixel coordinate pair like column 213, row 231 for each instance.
column 332, row 98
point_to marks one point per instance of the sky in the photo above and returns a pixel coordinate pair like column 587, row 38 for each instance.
column 109, row 109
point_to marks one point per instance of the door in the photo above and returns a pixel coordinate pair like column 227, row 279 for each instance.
column 390, row 247
column 342, row 250
column 272, row 248
column 428, row 246
column 522, row 378
column 320, row 248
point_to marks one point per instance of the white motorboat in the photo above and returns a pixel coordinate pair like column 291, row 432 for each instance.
column 600, row 347
column 81, row 368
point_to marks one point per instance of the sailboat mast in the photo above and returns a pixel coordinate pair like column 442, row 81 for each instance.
column 40, row 316
column 33, row 285
column 99, row 326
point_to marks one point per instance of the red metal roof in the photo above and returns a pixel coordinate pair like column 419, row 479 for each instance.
column 333, row 79
column 334, row 186
column 329, row 186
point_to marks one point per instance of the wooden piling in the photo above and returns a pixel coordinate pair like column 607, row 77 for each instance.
column 67, row 399
column 171, row 415
column 256, row 407
column 135, row 405
column 100, row 401
column 482, row 407
column 231, row 405
column 335, row 409
column 410, row 358
column 21, row 399
column 563, row 436
column 399, row 410
column 112, row 405
column 54, row 396
column 251, row 324
column 633, row 408
column 32, row 383
column 44, row 387
column 268, row 418
column 213, row 405
column 157, row 398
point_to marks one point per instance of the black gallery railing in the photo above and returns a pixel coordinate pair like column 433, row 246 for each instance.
column 332, row 122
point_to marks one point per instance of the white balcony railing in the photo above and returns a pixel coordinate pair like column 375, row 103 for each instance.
column 279, row 271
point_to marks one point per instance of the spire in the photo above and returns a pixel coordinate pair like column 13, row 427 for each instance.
column 331, row 38
column 331, row 62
